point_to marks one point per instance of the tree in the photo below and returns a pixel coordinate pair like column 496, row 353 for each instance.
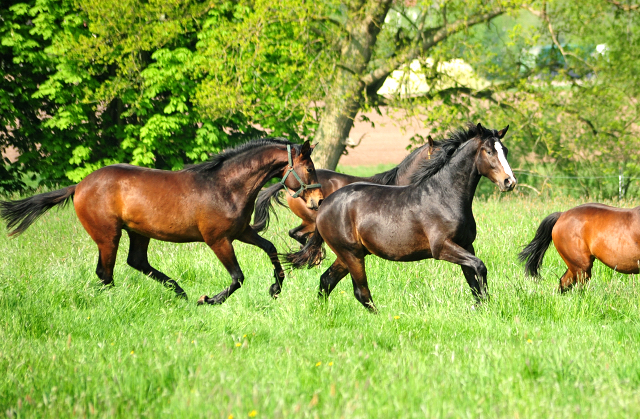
column 86, row 83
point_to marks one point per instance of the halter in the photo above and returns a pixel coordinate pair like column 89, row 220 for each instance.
column 303, row 186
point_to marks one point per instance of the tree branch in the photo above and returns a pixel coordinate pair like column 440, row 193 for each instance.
column 425, row 41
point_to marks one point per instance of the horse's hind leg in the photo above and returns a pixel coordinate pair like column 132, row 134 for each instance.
column 573, row 275
column 579, row 261
column 224, row 251
column 107, row 251
column 331, row 277
column 302, row 232
column 138, row 259
column 251, row 237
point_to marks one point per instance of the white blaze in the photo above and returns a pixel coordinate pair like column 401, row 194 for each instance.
column 503, row 161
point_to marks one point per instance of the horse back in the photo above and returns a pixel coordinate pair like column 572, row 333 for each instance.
column 160, row 204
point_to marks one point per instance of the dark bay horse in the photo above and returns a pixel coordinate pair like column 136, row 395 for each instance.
column 210, row 202
column 583, row 234
column 332, row 181
column 430, row 218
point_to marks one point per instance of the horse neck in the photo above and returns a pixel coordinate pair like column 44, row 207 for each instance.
column 459, row 178
column 405, row 173
column 256, row 169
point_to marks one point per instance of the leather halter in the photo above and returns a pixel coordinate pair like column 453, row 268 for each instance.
column 303, row 186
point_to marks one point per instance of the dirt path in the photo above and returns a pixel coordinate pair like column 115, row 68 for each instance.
column 386, row 143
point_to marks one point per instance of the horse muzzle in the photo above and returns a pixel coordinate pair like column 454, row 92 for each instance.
column 508, row 184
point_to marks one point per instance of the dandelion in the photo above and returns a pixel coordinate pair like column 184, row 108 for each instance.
column 318, row 363
column 330, row 364
column 529, row 341
column 131, row 352
column 244, row 336
column 396, row 317
column 238, row 344
column 253, row 414
column 230, row 417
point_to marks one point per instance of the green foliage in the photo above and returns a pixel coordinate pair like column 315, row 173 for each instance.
column 88, row 83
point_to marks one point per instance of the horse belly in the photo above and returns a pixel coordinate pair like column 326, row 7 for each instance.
column 397, row 244
column 620, row 252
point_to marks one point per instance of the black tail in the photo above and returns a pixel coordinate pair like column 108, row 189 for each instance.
column 264, row 206
column 310, row 255
column 533, row 254
column 21, row 214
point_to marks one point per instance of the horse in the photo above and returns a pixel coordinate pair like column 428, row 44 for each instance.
column 430, row 218
column 210, row 202
column 332, row 181
column 583, row 234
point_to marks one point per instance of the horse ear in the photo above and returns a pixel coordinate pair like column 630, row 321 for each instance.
column 430, row 141
column 503, row 132
column 479, row 126
column 306, row 149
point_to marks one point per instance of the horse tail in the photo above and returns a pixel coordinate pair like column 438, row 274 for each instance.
column 22, row 213
column 264, row 206
column 310, row 255
column 533, row 253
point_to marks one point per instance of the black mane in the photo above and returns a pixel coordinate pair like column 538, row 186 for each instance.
column 390, row 177
column 216, row 161
column 447, row 149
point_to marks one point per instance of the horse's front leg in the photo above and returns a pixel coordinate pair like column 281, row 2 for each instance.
column 250, row 236
column 224, row 251
column 475, row 272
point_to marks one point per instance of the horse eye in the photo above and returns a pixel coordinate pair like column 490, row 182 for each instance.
column 489, row 152
column 309, row 169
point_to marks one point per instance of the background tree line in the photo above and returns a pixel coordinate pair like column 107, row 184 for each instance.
column 164, row 83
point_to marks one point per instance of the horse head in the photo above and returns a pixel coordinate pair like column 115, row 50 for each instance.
column 491, row 159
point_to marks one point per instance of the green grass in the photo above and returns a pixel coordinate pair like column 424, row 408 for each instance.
column 71, row 348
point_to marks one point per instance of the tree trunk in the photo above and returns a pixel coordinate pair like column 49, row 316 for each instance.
column 344, row 101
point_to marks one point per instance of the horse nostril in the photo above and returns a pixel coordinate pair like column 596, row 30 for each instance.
column 507, row 182
column 320, row 202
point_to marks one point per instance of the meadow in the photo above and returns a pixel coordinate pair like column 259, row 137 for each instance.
column 71, row 348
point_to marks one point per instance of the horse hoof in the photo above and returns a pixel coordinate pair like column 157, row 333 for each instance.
column 274, row 291
column 202, row 300
column 182, row 295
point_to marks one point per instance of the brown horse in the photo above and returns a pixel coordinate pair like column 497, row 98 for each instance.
column 583, row 234
column 209, row 202
column 430, row 218
column 332, row 181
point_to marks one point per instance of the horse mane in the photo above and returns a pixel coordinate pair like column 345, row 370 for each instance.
column 390, row 177
column 216, row 161
column 447, row 149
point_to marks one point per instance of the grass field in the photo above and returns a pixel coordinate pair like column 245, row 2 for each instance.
column 68, row 347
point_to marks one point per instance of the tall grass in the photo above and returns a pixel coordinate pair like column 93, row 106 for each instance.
column 69, row 347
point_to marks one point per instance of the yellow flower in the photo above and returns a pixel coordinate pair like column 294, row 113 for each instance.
column 318, row 363
column 529, row 341
column 131, row 352
column 238, row 344
column 253, row 414
column 230, row 417
column 244, row 336
column 396, row 317
column 330, row 363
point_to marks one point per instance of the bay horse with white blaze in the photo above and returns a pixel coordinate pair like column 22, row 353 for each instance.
column 332, row 181
column 430, row 218
column 210, row 202
column 583, row 234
